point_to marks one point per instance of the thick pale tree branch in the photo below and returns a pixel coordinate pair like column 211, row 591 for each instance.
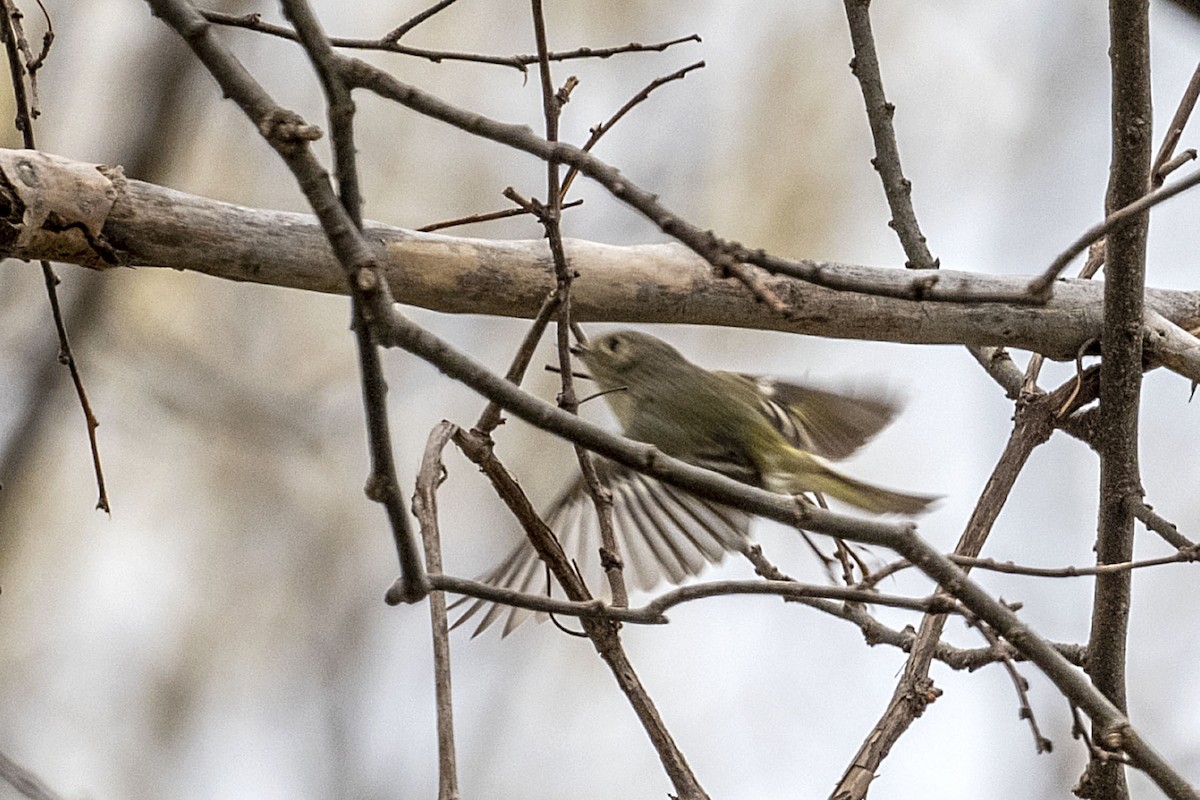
column 79, row 213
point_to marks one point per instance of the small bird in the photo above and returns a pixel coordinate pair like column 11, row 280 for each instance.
column 764, row 433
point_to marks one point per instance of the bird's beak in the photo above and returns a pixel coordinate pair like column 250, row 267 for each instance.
column 579, row 350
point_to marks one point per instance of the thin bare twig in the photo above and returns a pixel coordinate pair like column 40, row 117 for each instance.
column 488, row 216
column 654, row 612
column 491, row 416
column 865, row 67
column 396, row 34
column 1183, row 157
column 1131, row 214
column 793, row 590
column 609, row 52
column 254, row 22
column 597, row 133
column 550, row 216
column 1041, row 743
column 31, row 64
column 1187, row 556
column 15, row 45
column 1163, row 527
column 25, row 781
column 340, row 105
column 424, row 506
column 1165, row 161
column 34, row 63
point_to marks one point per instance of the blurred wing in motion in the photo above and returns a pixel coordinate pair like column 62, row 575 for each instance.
column 663, row 533
column 832, row 425
column 827, row 424
column 667, row 533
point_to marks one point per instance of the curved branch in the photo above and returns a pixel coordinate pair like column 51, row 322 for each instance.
column 654, row 612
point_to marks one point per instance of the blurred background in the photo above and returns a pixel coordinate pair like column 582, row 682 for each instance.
column 223, row 632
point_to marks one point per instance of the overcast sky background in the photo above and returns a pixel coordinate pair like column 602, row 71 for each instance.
column 223, row 634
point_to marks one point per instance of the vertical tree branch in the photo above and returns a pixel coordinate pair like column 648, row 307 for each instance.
column 424, row 503
column 551, row 214
column 603, row 633
column 896, row 187
column 865, row 66
column 1120, row 372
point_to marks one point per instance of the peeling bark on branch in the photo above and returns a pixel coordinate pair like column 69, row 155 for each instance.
column 152, row 226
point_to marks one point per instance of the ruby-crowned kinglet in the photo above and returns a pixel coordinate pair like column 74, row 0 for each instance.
column 764, row 433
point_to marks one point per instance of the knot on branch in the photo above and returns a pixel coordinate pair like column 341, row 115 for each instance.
column 287, row 131
column 922, row 694
column 610, row 560
column 379, row 489
column 407, row 591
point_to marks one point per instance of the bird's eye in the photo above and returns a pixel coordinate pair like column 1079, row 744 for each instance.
column 614, row 344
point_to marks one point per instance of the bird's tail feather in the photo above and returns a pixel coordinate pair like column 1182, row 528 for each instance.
column 801, row 472
column 868, row 497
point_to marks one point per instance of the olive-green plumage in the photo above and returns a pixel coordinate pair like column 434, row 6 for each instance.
column 720, row 420
column 762, row 432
